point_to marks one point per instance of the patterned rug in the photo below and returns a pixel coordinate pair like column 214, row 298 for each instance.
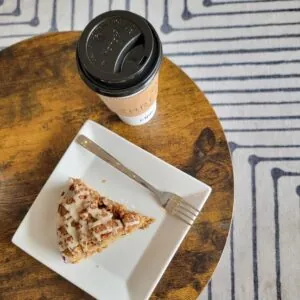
column 245, row 55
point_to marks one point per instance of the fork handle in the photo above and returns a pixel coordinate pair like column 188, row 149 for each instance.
column 101, row 153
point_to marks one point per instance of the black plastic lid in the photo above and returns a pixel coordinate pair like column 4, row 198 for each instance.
column 118, row 53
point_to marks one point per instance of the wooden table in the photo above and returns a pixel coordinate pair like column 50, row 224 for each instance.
column 42, row 97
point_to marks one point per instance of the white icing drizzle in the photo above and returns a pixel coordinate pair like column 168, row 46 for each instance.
column 82, row 220
column 77, row 199
column 132, row 223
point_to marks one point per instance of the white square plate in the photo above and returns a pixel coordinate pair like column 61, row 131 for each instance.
column 131, row 267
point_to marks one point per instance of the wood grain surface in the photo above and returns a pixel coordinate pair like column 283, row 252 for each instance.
column 43, row 103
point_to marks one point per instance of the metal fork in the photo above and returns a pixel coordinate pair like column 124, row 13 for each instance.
column 173, row 203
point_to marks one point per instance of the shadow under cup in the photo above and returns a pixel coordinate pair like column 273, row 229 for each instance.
column 119, row 55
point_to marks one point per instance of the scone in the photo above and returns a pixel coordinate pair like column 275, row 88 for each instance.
column 87, row 223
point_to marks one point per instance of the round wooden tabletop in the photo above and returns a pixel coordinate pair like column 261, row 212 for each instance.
column 42, row 98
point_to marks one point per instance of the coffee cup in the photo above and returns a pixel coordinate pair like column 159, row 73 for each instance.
column 119, row 55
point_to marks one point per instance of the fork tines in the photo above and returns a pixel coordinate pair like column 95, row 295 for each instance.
column 186, row 212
